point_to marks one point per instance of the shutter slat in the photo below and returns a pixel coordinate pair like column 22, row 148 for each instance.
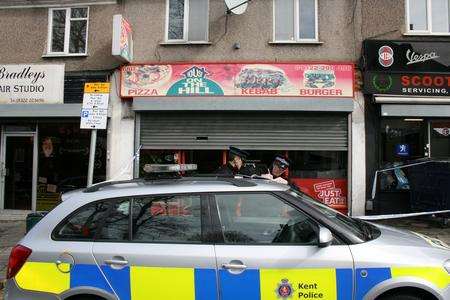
column 263, row 131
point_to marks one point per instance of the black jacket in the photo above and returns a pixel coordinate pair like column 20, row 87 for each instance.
column 226, row 170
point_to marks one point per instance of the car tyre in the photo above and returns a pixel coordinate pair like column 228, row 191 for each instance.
column 402, row 296
column 86, row 297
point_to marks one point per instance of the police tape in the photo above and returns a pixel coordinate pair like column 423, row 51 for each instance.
column 375, row 180
column 401, row 216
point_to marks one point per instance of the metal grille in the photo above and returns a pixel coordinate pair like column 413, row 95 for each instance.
column 262, row 131
column 74, row 85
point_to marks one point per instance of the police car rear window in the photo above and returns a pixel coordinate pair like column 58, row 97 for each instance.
column 83, row 224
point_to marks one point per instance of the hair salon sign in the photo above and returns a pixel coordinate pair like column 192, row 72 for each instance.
column 31, row 84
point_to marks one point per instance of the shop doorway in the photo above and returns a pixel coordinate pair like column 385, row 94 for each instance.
column 439, row 139
column 18, row 170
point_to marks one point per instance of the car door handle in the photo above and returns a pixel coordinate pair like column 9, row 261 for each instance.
column 234, row 267
column 116, row 262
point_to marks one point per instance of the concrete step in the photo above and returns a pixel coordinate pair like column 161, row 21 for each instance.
column 13, row 215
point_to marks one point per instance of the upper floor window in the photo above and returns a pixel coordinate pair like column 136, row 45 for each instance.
column 68, row 30
column 187, row 21
column 295, row 21
column 428, row 16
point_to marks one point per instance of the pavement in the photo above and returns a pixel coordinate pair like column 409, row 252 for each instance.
column 12, row 231
column 431, row 227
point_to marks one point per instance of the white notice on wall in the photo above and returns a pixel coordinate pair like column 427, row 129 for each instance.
column 94, row 113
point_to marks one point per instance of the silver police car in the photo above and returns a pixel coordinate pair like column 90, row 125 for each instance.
column 209, row 238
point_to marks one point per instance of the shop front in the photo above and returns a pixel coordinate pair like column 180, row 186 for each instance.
column 408, row 83
column 43, row 152
column 192, row 113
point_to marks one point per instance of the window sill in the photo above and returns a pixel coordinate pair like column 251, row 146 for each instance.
column 185, row 43
column 425, row 34
column 295, row 43
column 50, row 55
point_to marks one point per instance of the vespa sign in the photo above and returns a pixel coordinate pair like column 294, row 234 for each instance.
column 31, row 84
column 412, row 68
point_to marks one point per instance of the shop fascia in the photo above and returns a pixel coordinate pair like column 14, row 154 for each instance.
column 241, row 79
column 406, row 68
column 31, row 83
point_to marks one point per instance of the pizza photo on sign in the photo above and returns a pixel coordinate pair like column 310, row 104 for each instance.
column 148, row 76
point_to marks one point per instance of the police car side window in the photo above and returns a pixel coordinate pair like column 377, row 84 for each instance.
column 116, row 226
column 167, row 218
column 83, row 224
column 257, row 218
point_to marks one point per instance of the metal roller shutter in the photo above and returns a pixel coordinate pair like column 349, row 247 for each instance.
column 262, row 130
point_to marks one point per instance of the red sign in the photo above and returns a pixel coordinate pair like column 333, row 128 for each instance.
column 220, row 79
column 332, row 192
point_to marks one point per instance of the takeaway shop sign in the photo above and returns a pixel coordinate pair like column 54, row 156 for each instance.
column 246, row 80
column 31, row 84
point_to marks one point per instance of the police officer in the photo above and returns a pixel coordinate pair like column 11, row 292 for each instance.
column 279, row 167
column 236, row 158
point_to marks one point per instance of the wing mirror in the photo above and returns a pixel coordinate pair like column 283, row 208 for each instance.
column 325, row 237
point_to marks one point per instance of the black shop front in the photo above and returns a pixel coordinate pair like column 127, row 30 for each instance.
column 408, row 120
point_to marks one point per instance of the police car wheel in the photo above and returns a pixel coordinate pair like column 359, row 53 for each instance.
column 400, row 296
column 86, row 297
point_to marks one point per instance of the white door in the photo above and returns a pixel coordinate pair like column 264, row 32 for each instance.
column 18, row 170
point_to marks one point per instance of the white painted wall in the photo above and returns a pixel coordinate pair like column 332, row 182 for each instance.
column 358, row 184
column 120, row 134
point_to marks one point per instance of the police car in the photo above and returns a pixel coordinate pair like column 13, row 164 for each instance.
column 209, row 238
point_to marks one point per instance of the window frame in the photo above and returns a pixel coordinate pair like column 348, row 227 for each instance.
column 205, row 220
column 217, row 222
column 429, row 17
column 67, row 27
column 54, row 236
column 297, row 39
column 185, row 39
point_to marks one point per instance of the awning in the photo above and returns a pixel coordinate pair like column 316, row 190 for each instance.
column 243, row 104
column 415, row 110
column 40, row 110
column 412, row 100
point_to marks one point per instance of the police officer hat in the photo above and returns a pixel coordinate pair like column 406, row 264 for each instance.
column 238, row 152
column 282, row 162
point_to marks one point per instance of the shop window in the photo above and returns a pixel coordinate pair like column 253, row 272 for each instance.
column 187, row 21
column 208, row 161
column 428, row 16
column 68, row 31
column 63, row 161
column 295, row 20
column 320, row 174
column 440, row 139
column 401, row 140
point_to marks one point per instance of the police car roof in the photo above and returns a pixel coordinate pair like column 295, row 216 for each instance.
column 124, row 188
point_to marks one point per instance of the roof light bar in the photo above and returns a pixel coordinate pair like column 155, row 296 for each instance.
column 169, row 168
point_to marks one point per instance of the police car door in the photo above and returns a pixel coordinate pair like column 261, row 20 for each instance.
column 270, row 251
column 153, row 247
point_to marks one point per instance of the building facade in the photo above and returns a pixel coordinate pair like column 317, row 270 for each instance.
column 405, row 63
column 278, row 78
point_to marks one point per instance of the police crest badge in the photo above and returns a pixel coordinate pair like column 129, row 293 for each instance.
column 284, row 289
